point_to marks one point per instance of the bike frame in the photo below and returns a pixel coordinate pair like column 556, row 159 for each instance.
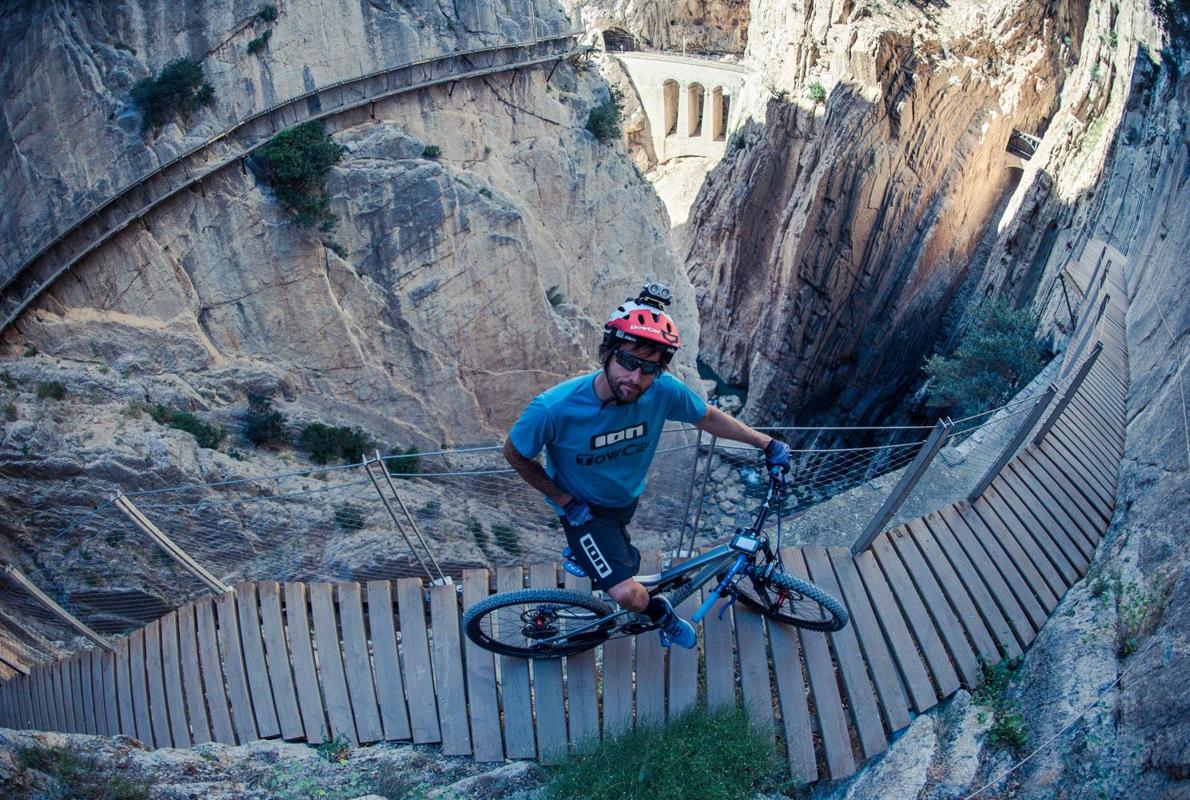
column 709, row 564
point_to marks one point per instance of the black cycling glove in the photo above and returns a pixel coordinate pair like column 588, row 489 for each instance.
column 776, row 456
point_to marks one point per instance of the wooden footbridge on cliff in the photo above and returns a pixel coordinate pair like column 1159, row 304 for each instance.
column 352, row 100
column 929, row 600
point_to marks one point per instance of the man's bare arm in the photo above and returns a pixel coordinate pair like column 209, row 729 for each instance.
column 726, row 426
column 534, row 475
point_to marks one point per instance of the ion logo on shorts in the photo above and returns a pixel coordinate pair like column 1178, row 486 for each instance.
column 622, row 435
column 602, row 568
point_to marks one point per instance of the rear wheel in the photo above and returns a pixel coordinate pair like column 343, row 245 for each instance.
column 793, row 601
column 538, row 623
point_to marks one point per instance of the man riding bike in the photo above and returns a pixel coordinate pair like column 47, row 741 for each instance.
column 600, row 432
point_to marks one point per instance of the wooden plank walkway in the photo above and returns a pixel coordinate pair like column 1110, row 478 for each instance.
column 968, row 583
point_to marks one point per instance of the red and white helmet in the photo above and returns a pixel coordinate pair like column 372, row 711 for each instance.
column 641, row 319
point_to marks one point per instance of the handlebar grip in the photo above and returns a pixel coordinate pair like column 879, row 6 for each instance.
column 705, row 608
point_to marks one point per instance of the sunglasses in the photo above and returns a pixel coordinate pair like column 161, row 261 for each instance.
column 632, row 363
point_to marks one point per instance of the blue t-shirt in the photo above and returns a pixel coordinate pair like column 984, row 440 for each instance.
column 601, row 453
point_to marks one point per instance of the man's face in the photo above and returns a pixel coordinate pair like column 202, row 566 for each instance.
column 628, row 385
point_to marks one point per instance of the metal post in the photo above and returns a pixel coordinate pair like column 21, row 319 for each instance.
column 57, row 610
column 1018, row 439
column 689, row 494
column 1089, row 331
column 1068, row 395
column 441, row 579
column 1066, row 297
column 703, row 494
column 901, row 491
column 180, row 556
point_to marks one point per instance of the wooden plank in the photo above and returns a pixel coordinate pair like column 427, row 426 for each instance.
column 40, row 707
column 1050, row 527
column 95, row 665
column 233, row 668
column 983, row 593
column 650, row 666
column 619, row 656
column 683, row 667
column 481, row 677
column 212, row 671
column 123, row 687
column 390, row 689
column 795, row 712
column 861, row 697
column 828, row 704
column 978, row 637
column 47, row 697
column 276, row 654
column 65, row 695
column 70, row 703
column 1098, row 513
column 305, row 673
column 928, row 639
column 330, row 662
column 158, row 708
column 1034, row 592
column 754, row 668
column 192, row 677
column 111, row 706
column 1105, row 412
column 57, row 698
column 171, row 667
column 419, row 675
column 252, row 641
column 547, row 684
column 890, row 692
column 449, row 683
column 718, row 628
column 1085, row 451
column 358, row 663
column 83, row 663
column 515, row 696
column 1087, row 523
column 915, row 676
column 1055, row 505
column 994, row 507
column 140, row 687
column 1029, row 523
column 582, row 690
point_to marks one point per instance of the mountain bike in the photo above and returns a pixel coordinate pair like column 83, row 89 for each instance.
column 550, row 623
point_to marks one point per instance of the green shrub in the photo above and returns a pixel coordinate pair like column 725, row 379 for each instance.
column 349, row 518
column 715, row 755
column 506, row 538
column 996, row 356
column 817, row 92
column 267, row 13
column 207, row 435
column 403, row 463
column 258, row 44
column 604, row 119
column 554, row 296
column 336, row 248
column 294, row 163
column 335, row 750
column 474, row 529
column 486, row 192
column 30, row 351
column 178, row 89
column 1008, row 730
column 75, row 774
column 263, row 424
column 51, row 390
column 431, row 151
column 324, row 442
column 1138, row 611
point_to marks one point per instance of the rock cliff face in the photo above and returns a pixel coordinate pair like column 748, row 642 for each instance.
column 716, row 26
column 428, row 322
column 828, row 249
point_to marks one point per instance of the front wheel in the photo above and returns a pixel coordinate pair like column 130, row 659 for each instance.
column 793, row 601
column 537, row 623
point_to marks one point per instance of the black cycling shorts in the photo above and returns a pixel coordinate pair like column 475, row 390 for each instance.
column 603, row 548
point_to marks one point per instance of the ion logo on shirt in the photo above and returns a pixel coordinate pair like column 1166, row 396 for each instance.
column 615, row 437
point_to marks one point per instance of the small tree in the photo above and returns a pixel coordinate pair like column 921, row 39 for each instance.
column 817, row 92
column 263, row 424
column 324, row 442
column 178, row 89
column 294, row 163
column 996, row 356
column 604, row 120
column 506, row 538
column 403, row 463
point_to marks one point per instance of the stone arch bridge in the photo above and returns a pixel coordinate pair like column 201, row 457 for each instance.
column 690, row 102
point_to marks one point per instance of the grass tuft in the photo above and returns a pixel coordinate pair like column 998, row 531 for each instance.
column 714, row 755
column 74, row 774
